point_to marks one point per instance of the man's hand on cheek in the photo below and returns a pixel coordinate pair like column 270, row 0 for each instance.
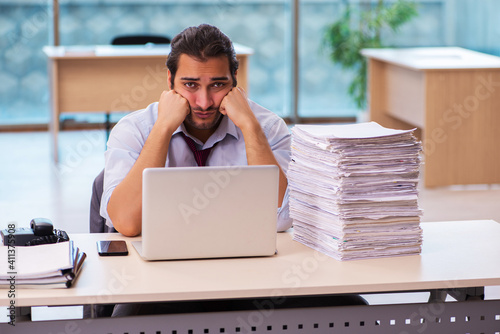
column 172, row 109
column 235, row 106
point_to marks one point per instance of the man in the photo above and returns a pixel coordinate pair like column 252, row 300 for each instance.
column 203, row 110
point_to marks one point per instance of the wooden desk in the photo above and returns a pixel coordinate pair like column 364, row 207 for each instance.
column 455, row 255
column 453, row 96
column 108, row 78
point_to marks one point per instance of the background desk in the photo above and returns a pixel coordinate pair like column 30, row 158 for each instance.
column 455, row 255
column 453, row 96
column 112, row 78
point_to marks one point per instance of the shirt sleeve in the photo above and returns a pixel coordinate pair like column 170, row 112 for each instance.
column 279, row 138
column 124, row 146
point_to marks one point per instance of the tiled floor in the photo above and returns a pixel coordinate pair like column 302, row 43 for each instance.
column 31, row 185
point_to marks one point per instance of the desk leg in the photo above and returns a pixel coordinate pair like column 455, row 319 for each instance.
column 54, row 106
column 437, row 296
column 461, row 294
column 466, row 294
column 54, row 131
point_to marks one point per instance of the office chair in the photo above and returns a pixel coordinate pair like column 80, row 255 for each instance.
column 134, row 40
column 98, row 225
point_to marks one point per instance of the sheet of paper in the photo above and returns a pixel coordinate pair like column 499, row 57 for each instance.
column 355, row 131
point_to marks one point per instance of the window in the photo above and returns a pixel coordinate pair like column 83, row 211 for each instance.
column 263, row 25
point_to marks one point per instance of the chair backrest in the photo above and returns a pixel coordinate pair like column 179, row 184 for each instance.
column 98, row 223
column 140, row 40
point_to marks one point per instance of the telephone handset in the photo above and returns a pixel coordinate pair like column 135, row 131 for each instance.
column 41, row 231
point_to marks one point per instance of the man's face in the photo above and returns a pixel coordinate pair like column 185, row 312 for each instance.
column 203, row 85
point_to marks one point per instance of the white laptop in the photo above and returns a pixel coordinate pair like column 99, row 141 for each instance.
column 208, row 212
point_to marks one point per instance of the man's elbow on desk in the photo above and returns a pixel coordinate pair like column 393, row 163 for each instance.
column 128, row 231
column 125, row 225
column 125, row 214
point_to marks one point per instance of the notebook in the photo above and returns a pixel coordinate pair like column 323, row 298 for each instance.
column 208, row 212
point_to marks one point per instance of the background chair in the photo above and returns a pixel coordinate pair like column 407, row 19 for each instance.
column 140, row 39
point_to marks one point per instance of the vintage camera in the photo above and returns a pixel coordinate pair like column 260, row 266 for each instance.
column 41, row 231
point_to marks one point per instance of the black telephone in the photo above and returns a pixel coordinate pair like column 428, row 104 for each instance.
column 40, row 232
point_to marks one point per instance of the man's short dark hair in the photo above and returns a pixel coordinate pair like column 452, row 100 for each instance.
column 202, row 42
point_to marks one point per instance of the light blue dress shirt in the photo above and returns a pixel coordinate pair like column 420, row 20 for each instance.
column 129, row 135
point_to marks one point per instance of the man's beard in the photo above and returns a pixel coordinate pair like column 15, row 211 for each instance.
column 204, row 126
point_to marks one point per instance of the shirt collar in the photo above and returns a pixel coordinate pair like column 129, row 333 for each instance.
column 226, row 127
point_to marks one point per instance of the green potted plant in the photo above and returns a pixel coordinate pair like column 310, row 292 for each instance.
column 360, row 28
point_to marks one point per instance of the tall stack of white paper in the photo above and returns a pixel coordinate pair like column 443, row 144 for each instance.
column 353, row 190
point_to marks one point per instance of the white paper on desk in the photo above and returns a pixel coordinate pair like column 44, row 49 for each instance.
column 37, row 261
column 359, row 249
column 353, row 190
column 358, row 130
